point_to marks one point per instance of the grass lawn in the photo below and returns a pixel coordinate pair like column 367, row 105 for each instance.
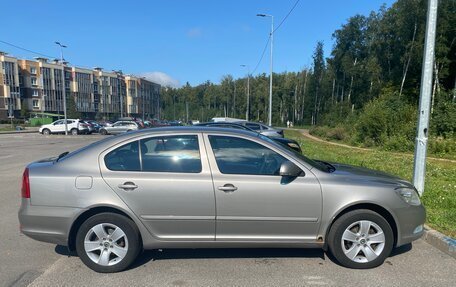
column 440, row 190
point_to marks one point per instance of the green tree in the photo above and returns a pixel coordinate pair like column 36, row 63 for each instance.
column 72, row 112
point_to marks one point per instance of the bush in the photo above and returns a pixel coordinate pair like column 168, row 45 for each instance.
column 319, row 131
column 338, row 133
column 443, row 119
column 388, row 118
column 441, row 146
column 399, row 143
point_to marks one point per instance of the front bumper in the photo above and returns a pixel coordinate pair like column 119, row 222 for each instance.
column 46, row 223
column 410, row 219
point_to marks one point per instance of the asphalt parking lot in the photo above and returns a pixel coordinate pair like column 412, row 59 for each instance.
column 25, row 262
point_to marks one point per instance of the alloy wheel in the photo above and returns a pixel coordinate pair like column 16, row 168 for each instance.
column 363, row 241
column 106, row 244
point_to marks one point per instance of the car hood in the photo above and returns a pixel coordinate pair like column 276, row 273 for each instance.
column 366, row 174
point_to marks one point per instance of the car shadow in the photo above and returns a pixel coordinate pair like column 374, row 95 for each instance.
column 230, row 253
column 227, row 253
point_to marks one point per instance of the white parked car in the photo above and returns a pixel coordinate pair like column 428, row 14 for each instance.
column 74, row 126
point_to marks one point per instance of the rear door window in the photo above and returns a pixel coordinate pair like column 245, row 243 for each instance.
column 171, row 154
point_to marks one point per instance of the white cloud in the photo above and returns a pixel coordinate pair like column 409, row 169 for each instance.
column 162, row 79
column 194, row 32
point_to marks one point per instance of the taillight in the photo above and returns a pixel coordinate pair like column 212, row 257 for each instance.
column 25, row 191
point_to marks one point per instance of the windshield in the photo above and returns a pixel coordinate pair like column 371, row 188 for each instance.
column 316, row 164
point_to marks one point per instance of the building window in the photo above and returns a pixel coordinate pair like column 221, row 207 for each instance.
column 33, row 70
column 35, row 93
column 34, row 82
column 36, row 104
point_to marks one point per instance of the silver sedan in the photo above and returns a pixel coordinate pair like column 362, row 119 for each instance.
column 199, row 187
column 119, row 127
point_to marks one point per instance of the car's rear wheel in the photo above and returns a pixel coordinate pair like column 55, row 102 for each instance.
column 108, row 242
column 46, row 132
column 361, row 239
column 74, row 132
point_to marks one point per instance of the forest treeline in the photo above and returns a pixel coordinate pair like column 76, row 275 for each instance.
column 365, row 92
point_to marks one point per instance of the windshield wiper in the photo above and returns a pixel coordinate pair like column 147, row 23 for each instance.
column 331, row 168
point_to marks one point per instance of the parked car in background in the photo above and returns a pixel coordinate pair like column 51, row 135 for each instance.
column 226, row 119
column 286, row 142
column 175, row 123
column 89, row 126
column 74, row 126
column 263, row 129
column 139, row 121
column 171, row 187
column 158, row 123
column 120, row 127
column 95, row 125
column 105, row 123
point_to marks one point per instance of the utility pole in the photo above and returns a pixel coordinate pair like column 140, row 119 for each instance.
column 63, row 87
column 247, row 110
column 143, row 97
column 234, row 99
column 419, row 167
column 271, row 66
column 120, row 78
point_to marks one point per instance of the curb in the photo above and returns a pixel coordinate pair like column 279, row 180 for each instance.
column 18, row 132
column 440, row 241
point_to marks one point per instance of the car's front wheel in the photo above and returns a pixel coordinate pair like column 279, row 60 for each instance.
column 46, row 132
column 108, row 242
column 103, row 132
column 361, row 239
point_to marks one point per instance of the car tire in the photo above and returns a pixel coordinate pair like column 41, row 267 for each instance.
column 103, row 132
column 74, row 132
column 46, row 132
column 107, row 255
column 361, row 239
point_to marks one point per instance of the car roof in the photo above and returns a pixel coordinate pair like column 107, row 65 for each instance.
column 109, row 141
column 195, row 128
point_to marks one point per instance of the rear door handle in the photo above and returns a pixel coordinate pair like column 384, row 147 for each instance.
column 128, row 186
column 227, row 188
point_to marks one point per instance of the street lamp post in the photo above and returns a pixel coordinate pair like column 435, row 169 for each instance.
column 270, row 75
column 247, row 110
column 63, row 86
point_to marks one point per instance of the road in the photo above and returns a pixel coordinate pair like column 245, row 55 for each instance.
column 25, row 262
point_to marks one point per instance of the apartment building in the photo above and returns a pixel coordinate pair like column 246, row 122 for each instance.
column 143, row 97
column 38, row 86
column 109, row 92
column 10, row 103
column 41, row 85
column 81, row 85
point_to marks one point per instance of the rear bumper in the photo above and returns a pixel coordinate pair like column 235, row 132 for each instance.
column 410, row 224
column 46, row 223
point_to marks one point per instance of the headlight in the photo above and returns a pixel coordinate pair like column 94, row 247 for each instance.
column 409, row 195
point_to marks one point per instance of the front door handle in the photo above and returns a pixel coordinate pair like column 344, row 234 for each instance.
column 227, row 188
column 128, row 186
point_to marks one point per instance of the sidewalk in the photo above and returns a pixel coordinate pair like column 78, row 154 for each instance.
column 25, row 131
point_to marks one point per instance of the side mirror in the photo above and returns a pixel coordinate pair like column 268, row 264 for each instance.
column 289, row 169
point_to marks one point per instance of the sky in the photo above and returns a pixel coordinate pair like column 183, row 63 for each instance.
column 177, row 41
